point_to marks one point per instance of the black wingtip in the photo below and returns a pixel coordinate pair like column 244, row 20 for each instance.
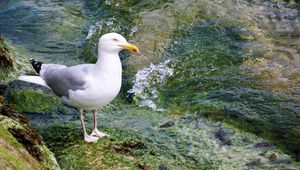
column 37, row 65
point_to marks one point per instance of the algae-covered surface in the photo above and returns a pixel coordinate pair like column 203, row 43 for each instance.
column 215, row 86
column 144, row 139
column 21, row 146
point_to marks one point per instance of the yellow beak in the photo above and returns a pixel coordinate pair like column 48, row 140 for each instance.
column 131, row 47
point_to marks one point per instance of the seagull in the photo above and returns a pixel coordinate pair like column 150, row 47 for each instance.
column 86, row 86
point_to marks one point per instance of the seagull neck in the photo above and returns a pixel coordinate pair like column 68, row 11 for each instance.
column 108, row 61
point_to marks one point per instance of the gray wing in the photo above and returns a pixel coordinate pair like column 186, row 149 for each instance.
column 61, row 79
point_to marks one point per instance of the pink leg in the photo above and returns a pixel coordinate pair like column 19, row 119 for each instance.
column 96, row 132
column 86, row 137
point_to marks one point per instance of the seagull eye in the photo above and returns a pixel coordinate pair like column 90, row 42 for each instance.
column 114, row 39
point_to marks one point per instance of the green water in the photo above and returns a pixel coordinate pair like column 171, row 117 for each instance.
column 231, row 64
column 219, row 87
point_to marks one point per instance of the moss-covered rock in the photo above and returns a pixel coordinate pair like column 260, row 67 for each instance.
column 11, row 62
column 29, row 100
column 144, row 139
column 5, row 59
column 21, row 146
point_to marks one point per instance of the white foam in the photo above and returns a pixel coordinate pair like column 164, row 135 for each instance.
column 147, row 81
column 93, row 29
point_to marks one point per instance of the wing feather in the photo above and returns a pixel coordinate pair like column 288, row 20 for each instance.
column 61, row 79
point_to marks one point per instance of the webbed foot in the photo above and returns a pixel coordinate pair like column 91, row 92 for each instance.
column 99, row 134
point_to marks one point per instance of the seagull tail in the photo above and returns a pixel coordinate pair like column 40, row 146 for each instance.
column 37, row 65
column 33, row 79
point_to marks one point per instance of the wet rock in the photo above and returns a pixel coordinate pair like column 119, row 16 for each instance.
column 30, row 139
column 5, row 59
column 283, row 161
column 162, row 167
column 1, row 100
column 272, row 157
column 222, row 136
column 215, row 115
column 27, row 137
column 263, row 145
column 191, row 158
column 297, row 154
column 118, row 149
column 253, row 163
column 127, row 147
column 9, row 112
column 246, row 140
column 134, row 145
column 263, row 153
column 167, row 124
column 142, row 165
column 33, row 101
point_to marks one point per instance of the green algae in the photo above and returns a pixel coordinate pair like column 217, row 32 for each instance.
column 6, row 61
column 30, row 100
column 11, row 161
column 140, row 138
column 19, row 62
column 5, row 135
column 75, row 153
column 49, row 160
column 36, row 100
column 13, row 152
column 212, row 61
column 209, row 63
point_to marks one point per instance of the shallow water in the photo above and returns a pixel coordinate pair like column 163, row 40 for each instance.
column 240, row 69
column 233, row 61
column 238, row 62
column 48, row 30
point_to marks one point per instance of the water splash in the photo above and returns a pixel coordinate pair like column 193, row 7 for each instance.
column 146, row 83
column 93, row 29
column 96, row 29
column 110, row 23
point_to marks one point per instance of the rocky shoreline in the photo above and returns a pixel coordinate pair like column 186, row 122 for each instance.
column 22, row 146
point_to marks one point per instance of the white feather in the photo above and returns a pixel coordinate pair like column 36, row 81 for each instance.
column 34, row 79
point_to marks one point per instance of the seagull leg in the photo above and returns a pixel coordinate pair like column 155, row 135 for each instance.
column 96, row 132
column 86, row 137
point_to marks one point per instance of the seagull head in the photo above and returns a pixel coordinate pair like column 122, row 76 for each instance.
column 113, row 43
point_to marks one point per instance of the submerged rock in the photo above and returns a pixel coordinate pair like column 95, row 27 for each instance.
column 263, row 145
column 223, row 136
column 162, row 167
column 127, row 146
column 136, row 140
column 283, row 161
column 167, row 124
column 253, row 163
column 272, row 157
